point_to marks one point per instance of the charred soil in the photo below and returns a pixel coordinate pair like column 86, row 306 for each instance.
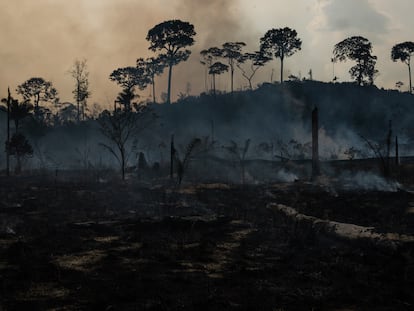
column 125, row 246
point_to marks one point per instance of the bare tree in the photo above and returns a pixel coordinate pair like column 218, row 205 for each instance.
column 119, row 127
column 240, row 155
column 79, row 72
column 253, row 61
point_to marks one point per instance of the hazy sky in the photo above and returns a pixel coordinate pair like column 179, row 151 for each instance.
column 42, row 38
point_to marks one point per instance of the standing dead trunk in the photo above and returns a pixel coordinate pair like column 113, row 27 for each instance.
column 8, row 133
column 387, row 160
column 169, row 83
column 397, row 159
column 172, row 154
column 315, row 144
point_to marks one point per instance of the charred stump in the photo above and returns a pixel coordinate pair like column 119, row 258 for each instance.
column 315, row 144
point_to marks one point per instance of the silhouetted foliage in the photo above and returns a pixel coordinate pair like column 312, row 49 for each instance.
column 254, row 61
column 358, row 49
column 153, row 66
column 232, row 52
column 208, row 57
column 19, row 147
column 240, row 156
column 172, row 37
column 403, row 52
column 120, row 127
column 81, row 92
column 281, row 43
column 217, row 69
column 182, row 164
column 36, row 90
column 129, row 78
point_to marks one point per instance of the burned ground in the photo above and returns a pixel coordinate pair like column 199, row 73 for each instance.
column 128, row 246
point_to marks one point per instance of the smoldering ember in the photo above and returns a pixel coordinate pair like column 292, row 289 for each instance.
column 288, row 195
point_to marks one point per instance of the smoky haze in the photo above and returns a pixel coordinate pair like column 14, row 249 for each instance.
column 43, row 38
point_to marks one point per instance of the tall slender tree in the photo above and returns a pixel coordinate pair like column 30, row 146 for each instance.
column 217, row 69
column 281, row 43
column 403, row 52
column 171, row 38
column 208, row 57
column 153, row 66
column 79, row 72
column 253, row 62
column 232, row 52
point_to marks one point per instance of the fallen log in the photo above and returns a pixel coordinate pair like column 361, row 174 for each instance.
column 319, row 230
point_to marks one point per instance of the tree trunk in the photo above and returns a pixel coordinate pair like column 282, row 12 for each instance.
column 231, row 77
column 8, row 134
column 169, row 83
column 153, row 89
column 78, row 101
column 122, row 163
column 214, row 84
column 172, row 153
column 409, row 76
column 281, row 70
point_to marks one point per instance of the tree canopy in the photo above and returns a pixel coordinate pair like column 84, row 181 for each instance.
column 171, row 38
column 129, row 78
column 358, row 49
column 281, row 43
column 38, row 90
column 232, row 52
column 403, row 51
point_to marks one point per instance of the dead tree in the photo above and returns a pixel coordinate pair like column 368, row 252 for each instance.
column 315, row 144
column 120, row 127
column 240, row 155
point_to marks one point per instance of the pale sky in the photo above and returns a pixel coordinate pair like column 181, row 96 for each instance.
column 42, row 38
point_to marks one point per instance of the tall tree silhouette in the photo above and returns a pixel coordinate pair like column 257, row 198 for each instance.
column 171, row 38
column 253, row 61
column 359, row 49
column 403, row 51
column 281, row 43
column 232, row 52
column 79, row 72
column 153, row 66
column 129, row 78
column 38, row 90
column 217, row 69
column 208, row 57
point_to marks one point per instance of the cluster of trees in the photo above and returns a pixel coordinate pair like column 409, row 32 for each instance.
column 172, row 38
column 170, row 42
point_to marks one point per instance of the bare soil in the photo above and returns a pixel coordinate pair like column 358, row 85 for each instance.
column 125, row 246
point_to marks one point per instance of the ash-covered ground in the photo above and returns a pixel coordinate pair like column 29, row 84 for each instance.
column 116, row 245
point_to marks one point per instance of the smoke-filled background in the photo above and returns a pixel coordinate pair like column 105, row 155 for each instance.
column 44, row 37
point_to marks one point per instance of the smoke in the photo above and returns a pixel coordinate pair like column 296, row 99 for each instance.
column 368, row 181
column 43, row 38
column 285, row 176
